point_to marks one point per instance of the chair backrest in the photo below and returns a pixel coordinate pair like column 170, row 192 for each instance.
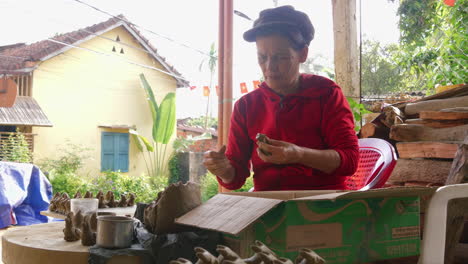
column 377, row 158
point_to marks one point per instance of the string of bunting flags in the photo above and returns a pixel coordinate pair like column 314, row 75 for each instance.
column 243, row 88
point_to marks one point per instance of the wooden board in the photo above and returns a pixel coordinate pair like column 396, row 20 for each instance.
column 427, row 149
column 407, row 132
column 459, row 171
column 437, row 123
column 436, row 105
column 117, row 210
column 44, row 243
column 443, row 115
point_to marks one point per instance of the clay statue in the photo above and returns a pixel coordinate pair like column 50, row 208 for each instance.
column 308, row 256
column 264, row 139
column 131, row 200
column 88, row 194
column 88, row 238
column 99, row 194
column 101, row 203
column 123, row 201
column 92, row 219
column 283, row 261
column 53, row 202
column 70, row 232
column 205, row 257
column 108, row 195
column 176, row 200
column 226, row 254
column 111, row 202
column 77, row 194
column 77, row 219
column 258, row 247
column 268, row 258
column 180, row 261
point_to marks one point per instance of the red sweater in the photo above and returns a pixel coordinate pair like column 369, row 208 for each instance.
column 316, row 117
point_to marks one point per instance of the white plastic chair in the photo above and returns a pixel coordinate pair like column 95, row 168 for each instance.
column 434, row 236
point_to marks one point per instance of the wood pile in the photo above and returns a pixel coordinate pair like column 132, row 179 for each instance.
column 430, row 136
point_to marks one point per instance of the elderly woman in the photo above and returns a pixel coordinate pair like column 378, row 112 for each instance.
column 311, row 143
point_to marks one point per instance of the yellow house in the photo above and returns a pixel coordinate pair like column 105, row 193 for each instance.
column 87, row 84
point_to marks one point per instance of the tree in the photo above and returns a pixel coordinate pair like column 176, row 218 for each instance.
column 379, row 73
column 212, row 62
column 433, row 42
column 318, row 64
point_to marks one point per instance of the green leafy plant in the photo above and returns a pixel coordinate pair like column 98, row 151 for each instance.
column 209, row 186
column 71, row 158
column 155, row 151
column 15, row 149
column 358, row 111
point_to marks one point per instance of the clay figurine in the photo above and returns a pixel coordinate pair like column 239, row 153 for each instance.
column 88, row 194
column 264, row 139
column 77, row 194
column 131, row 200
column 77, row 219
column 308, row 256
column 123, row 201
column 101, row 203
column 70, row 233
column 111, row 202
column 88, row 238
column 180, row 261
column 205, row 257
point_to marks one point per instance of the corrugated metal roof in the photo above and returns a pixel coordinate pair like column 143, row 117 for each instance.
column 26, row 112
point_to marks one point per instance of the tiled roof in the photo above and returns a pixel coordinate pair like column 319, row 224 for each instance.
column 19, row 57
column 25, row 111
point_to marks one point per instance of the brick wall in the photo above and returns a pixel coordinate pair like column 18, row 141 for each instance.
column 201, row 145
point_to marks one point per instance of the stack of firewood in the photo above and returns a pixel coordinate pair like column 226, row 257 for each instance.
column 430, row 136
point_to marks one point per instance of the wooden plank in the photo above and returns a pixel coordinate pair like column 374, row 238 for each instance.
column 444, row 115
column 459, row 170
column 374, row 130
column 407, row 132
column 420, row 170
column 455, row 92
column 437, row 123
column 393, row 116
column 427, row 149
column 436, row 105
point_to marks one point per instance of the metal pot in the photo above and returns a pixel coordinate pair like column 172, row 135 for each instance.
column 114, row 231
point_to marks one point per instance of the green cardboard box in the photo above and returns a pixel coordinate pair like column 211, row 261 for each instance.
column 342, row 227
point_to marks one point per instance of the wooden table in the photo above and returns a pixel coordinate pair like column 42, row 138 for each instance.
column 44, row 243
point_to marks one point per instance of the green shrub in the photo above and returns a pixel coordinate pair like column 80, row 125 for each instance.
column 70, row 160
column 15, row 149
column 174, row 169
column 209, row 186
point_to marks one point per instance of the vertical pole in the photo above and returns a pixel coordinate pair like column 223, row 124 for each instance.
column 346, row 47
column 220, row 73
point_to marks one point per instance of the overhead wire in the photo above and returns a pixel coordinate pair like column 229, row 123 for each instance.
column 145, row 29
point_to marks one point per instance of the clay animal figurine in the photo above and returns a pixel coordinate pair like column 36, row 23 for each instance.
column 88, row 238
column 226, row 254
column 308, row 256
column 101, row 203
column 264, row 139
column 108, row 195
column 258, row 247
column 70, row 233
column 131, row 200
column 77, row 194
column 283, row 261
column 92, row 219
column 77, row 219
column 123, row 201
column 205, row 257
column 180, row 261
column 53, row 202
column 111, row 202
column 99, row 194
column 268, row 258
column 88, row 194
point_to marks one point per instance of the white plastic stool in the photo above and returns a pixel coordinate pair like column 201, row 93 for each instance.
column 433, row 244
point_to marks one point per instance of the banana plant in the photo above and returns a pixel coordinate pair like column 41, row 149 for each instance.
column 164, row 118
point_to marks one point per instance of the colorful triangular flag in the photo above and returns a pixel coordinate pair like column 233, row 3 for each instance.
column 243, row 88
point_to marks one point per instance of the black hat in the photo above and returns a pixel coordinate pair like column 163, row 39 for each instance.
column 281, row 19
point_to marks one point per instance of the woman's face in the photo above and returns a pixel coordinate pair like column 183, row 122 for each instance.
column 279, row 62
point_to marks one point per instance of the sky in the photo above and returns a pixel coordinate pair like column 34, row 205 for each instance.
column 183, row 31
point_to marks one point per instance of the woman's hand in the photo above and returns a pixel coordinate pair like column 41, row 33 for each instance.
column 279, row 152
column 218, row 164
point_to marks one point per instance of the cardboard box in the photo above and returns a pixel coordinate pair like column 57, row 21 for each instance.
column 342, row 227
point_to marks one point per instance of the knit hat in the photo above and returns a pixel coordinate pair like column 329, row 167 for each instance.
column 283, row 19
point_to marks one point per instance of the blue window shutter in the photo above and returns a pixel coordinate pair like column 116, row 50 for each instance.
column 122, row 152
column 107, row 151
column 114, row 151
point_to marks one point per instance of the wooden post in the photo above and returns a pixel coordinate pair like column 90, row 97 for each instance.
column 346, row 47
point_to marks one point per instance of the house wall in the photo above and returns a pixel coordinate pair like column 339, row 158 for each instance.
column 80, row 90
column 200, row 145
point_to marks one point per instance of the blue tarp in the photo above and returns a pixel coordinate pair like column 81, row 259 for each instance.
column 24, row 193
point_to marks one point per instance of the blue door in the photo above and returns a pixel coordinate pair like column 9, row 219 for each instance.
column 114, row 151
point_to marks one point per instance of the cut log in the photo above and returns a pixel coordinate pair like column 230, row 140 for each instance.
column 455, row 92
column 452, row 114
column 437, row 123
column 393, row 116
column 406, row 132
column 427, row 149
column 436, row 105
column 420, row 170
column 374, row 131
column 459, row 170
